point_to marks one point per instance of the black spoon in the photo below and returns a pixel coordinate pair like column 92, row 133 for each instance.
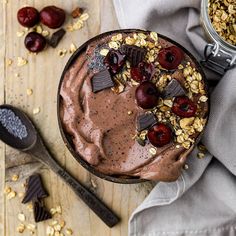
column 29, row 141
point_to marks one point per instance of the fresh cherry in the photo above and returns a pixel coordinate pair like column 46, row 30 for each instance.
column 35, row 42
column 143, row 72
column 159, row 135
column 169, row 58
column 114, row 61
column 184, row 107
column 52, row 16
column 28, row 16
column 147, row 95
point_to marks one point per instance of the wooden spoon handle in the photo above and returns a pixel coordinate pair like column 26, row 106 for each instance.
column 95, row 204
column 42, row 154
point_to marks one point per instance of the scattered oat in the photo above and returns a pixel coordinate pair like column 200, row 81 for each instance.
column 11, row 195
column 29, row 91
column 203, row 98
column 30, row 207
column 73, row 48
column 9, row 62
column 58, row 209
column 186, row 166
column 153, row 151
column 20, row 33
column 201, row 155
column 84, row 17
column 62, row 52
column 31, row 227
column 15, row 178
column 130, row 112
column 21, row 61
column 36, row 110
column 7, row 189
column 39, row 29
column 20, row 228
column 69, row 231
column 50, row 231
column 104, row 51
column 21, row 217
column 45, row 33
column 113, row 45
column 154, row 36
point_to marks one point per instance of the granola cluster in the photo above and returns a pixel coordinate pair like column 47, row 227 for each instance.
column 222, row 14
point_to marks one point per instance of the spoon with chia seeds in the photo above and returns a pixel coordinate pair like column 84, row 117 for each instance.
column 17, row 131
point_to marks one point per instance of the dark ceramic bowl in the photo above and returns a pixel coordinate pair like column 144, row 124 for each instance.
column 67, row 138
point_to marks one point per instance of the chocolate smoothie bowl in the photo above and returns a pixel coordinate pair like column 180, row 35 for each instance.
column 132, row 105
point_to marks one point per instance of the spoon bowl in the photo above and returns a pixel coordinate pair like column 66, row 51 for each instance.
column 24, row 143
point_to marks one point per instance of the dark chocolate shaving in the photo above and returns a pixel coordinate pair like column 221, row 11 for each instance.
column 35, row 189
column 173, row 89
column 101, row 81
column 40, row 212
column 144, row 121
column 56, row 37
column 134, row 54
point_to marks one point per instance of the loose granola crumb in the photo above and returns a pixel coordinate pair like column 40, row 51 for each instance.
column 36, row 110
column 15, row 178
column 21, row 217
column 20, row 228
column 29, row 91
column 21, row 61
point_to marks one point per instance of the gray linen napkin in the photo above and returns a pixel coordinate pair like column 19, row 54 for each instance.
column 203, row 200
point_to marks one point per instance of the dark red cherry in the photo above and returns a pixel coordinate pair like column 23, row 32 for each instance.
column 143, row 72
column 169, row 58
column 184, row 107
column 52, row 16
column 28, row 16
column 147, row 95
column 35, row 42
column 114, row 61
column 159, row 135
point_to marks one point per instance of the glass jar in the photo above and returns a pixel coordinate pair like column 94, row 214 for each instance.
column 220, row 55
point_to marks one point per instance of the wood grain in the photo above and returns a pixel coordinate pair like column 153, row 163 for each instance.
column 42, row 74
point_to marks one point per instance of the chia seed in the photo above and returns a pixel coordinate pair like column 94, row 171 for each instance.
column 12, row 123
column 96, row 60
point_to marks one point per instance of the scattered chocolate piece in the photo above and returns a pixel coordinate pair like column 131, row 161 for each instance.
column 56, row 37
column 77, row 12
column 102, row 80
column 35, row 189
column 146, row 120
column 174, row 89
column 134, row 54
column 40, row 212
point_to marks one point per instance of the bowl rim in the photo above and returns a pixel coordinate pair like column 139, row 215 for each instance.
column 65, row 137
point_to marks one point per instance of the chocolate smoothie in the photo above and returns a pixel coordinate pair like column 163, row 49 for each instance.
column 134, row 105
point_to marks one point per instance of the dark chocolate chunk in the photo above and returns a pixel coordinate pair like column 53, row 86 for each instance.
column 174, row 89
column 35, row 189
column 56, row 37
column 146, row 120
column 40, row 212
column 101, row 81
column 134, row 54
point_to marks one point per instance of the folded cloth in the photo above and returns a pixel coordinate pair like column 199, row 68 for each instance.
column 203, row 200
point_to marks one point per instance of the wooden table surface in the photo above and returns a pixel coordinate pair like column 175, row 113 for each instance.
column 42, row 74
